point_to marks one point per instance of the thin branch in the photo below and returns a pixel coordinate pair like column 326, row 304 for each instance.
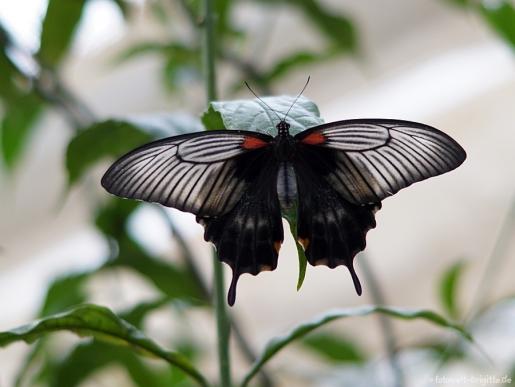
column 495, row 260
column 385, row 324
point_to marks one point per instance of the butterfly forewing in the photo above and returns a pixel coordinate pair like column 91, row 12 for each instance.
column 369, row 160
column 203, row 173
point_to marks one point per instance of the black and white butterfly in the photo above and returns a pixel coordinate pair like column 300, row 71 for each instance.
column 237, row 182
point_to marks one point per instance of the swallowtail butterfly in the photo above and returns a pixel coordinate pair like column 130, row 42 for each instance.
column 237, row 182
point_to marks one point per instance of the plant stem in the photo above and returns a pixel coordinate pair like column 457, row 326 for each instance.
column 222, row 320
column 209, row 50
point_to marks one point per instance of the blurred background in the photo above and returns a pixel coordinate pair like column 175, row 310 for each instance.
column 85, row 80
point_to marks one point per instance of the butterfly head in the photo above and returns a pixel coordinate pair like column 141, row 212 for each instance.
column 283, row 128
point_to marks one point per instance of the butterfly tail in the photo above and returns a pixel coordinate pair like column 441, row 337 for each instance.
column 249, row 237
column 331, row 229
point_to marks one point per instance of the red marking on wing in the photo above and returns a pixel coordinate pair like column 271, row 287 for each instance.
column 253, row 143
column 314, row 138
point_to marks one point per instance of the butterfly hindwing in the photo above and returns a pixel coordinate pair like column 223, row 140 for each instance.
column 368, row 160
column 203, row 173
column 248, row 238
column 330, row 228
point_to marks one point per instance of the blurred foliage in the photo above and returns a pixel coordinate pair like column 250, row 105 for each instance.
column 277, row 344
column 30, row 82
column 107, row 138
column 58, row 28
column 334, row 348
column 102, row 324
column 498, row 14
column 449, row 289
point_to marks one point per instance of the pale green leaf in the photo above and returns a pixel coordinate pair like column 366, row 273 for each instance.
column 253, row 115
column 448, row 289
column 102, row 324
column 277, row 344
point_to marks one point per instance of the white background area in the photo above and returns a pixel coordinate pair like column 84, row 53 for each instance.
column 421, row 60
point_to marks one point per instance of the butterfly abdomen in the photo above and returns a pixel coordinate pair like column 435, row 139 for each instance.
column 286, row 185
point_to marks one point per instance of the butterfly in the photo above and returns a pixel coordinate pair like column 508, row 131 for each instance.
column 237, row 183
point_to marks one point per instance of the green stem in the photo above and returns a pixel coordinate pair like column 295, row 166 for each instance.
column 223, row 327
column 222, row 320
column 209, row 50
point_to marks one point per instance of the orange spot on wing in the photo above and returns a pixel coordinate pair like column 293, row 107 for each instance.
column 314, row 138
column 277, row 246
column 253, row 143
column 304, row 242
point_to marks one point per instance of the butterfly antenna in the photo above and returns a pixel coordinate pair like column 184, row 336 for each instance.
column 297, row 98
column 263, row 102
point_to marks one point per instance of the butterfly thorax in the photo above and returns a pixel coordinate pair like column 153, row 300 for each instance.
column 283, row 128
column 284, row 145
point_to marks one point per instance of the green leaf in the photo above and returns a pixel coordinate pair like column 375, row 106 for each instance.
column 285, row 65
column 460, row 3
column 253, row 115
column 334, row 348
column 16, row 126
column 8, row 89
column 116, row 137
column 500, row 15
column 87, row 358
column 291, row 217
column 172, row 280
column 179, row 52
column 64, row 293
column 123, row 7
column 448, row 289
column 138, row 313
column 182, row 62
column 212, row 119
column 102, row 324
column 277, row 344
column 107, row 138
column 337, row 28
column 444, row 351
column 19, row 108
column 59, row 26
column 111, row 219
